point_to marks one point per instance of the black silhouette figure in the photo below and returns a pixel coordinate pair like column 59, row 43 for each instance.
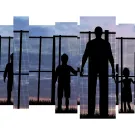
column 9, row 74
column 98, row 51
column 63, row 74
column 126, row 94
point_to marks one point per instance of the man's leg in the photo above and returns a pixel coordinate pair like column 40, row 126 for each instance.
column 125, row 107
column 103, row 81
column 122, row 104
column 92, row 81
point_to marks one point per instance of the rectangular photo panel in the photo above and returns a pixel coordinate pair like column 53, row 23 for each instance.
column 97, row 96
column 6, row 65
column 40, row 52
column 66, row 73
column 126, row 67
column 21, row 62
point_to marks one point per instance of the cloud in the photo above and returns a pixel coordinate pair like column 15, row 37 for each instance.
column 67, row 28
column 125, row 30
column 42, row 30
column 21, row 23
column 6, row 30
column 89, row 23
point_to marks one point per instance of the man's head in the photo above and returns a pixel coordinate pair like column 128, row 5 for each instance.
column 98, row 32
column 64, row 58
column 11, row 57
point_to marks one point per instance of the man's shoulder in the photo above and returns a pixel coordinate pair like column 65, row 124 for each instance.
column 105, row 41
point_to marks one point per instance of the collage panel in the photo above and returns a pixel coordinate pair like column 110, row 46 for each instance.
column 126, row 80
column 95, row 106
column 6, row 49
column 21, row 62
column 40, row 51
column 67, row 47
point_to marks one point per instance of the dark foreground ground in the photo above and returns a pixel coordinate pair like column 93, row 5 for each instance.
column 5, row 103
column 33, row 102
column 132, row 111
column 66, row 111
column 96, row 116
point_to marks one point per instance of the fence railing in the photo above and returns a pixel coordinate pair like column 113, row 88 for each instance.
column 39, row 70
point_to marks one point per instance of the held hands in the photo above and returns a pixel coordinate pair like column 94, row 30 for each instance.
column 4, row 79
column 113, row 74
column 81, row 73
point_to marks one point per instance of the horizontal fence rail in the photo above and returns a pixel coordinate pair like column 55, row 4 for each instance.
column 39, row 70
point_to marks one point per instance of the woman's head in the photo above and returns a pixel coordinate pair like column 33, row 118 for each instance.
column 126, row 72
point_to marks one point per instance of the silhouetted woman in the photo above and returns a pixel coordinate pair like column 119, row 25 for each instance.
column 8, row 73
column 126, row 93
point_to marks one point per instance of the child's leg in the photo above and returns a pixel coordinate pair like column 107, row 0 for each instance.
column 129, row 107
column 59, row 103
column 124, row 106
column 67, row 103
column 67, row 95
column 60, row 95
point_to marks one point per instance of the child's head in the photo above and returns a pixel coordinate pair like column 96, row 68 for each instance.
column 126, row 72
column 64, row 58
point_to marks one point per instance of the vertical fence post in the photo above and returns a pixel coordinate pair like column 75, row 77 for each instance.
column 121, row 39
column 53, row 73
column 89, row 99
column 117, row 85
column 9, row 44
column 59, row 49
column 39, row 68
column 19, row 80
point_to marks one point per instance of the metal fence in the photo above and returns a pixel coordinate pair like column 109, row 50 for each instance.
column 55, row 50
column 21, row 69
column 126, row 58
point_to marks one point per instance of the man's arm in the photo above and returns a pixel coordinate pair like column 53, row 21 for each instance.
column 56, row 74
column 73, row 71
column 5, row 72
column 85, row 56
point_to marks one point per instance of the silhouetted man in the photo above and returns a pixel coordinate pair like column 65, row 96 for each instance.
column 9, row 74
column 99, row 53
column 63, row 74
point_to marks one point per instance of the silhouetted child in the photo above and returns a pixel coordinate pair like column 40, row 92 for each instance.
column 9, row 74
column 126, row 93
column 63, row 74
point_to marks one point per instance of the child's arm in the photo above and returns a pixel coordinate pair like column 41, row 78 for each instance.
column 118, row 81
column 132, row 81
column 73, row 71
